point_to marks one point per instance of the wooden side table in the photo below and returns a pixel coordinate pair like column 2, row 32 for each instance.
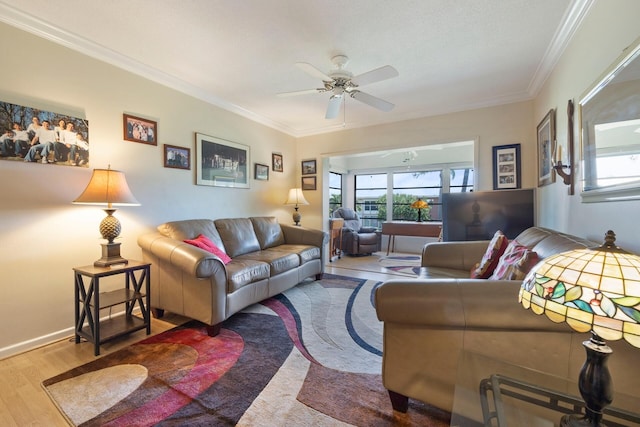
column 335, row 238
column 89, row 301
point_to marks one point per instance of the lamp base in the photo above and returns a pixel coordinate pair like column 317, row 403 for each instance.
column 110, row 255
column 579, row 421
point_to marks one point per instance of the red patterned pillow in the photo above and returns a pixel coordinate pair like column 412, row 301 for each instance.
column 489, row 261
column 515, row 263
column 203, row 242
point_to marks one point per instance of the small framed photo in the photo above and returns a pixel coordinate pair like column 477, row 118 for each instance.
column 141, row 130
column 261, row 172
column 308, row 182
column 506, row 167
column 276, row 162
column 309, row 167
column 546, row 149
column 177, row 157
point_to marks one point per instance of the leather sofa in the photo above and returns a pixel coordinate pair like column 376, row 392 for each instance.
column 430, row 321
column 357, row 239
column 267, row 258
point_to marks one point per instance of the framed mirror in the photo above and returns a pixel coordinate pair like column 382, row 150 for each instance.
column 610, row 123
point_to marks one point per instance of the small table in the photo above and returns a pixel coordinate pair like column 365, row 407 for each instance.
column 495, row 393
column 409, row 228
column 89, row 301
column 335, row 238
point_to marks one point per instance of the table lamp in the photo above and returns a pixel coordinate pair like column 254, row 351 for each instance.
column 594, row 290
column 419, row 204
column 296, row 198
column 108, row 187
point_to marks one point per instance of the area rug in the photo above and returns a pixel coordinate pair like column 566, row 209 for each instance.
column 308, row 357
column 408, row 265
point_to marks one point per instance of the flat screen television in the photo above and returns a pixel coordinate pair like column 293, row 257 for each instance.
column 479, row 214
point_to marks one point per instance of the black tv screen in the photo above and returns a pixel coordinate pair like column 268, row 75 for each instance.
column 478, row 215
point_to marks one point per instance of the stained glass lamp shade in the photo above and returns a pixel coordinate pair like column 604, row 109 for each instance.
column 419, row 204
column 594, row 290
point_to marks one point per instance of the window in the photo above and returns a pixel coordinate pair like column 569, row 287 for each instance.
column 373, row 190
column 335, row 191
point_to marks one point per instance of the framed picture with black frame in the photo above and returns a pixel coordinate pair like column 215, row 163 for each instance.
column 506, row 167
column 309, row 167
column 261, row 172
column 546, row 148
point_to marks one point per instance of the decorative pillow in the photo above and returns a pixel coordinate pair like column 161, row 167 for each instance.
column 203, row 242
column 489, row 261
column 515, row 263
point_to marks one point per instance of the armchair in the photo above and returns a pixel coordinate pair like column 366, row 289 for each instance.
column 356, row 239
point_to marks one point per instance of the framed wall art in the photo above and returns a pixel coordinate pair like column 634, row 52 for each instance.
column 141, row 130
column 221, row 163
column 546, row 149
column 506, row 167
column 308, row 167
column 276, row 162
column 30, row 134
column 177, row 157
column 261, row 172
column 308, row 182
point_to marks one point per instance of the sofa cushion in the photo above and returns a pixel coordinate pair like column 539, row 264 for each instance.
column 306, row 253
column 237, row 235
column 489, row 261
column 242, row 272
column 268, row 231
column 203, row 242
column 278, row 261
column 190, row 229
column 515, row 263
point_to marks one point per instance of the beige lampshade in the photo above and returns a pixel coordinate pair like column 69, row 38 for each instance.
column 107, row 187
column 296, row 198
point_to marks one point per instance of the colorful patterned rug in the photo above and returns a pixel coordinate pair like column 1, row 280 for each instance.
column 308, row 357
column 408, row 265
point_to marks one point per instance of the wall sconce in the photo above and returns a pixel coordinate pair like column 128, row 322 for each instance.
column 108, row 187
column 296, row 198
column 567, row 177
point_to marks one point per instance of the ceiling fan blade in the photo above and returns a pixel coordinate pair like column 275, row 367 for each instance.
column 371, row 100
column 300, row 92
column 379, row 74
column 334, row 107
column 313, row 71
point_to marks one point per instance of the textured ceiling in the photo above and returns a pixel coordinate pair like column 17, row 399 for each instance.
column 451, row 55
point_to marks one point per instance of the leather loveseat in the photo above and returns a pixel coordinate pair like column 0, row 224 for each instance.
column 267, row 258
column 430, row 321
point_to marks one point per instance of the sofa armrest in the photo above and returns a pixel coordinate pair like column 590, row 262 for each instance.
column 304, row 236
column 188, row 258
column 455, row 255
column 459, row 304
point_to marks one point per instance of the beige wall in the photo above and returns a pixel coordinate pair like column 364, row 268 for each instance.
column 44, row 236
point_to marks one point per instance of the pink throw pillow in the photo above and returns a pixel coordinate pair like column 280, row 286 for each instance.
column 489, row 261
column 203, row 242
column 515, row 263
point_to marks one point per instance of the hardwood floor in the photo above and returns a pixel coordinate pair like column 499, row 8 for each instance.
column 23, row 401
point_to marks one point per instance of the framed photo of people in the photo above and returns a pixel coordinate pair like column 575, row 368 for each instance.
column 177, row 157
column 137, row 129
column 276, row 162
column 506, row 167
column 221, row 163
column 35, row 135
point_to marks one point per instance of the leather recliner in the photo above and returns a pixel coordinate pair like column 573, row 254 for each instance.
column 356, row 239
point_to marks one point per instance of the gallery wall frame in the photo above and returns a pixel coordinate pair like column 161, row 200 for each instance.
column 276, row 162
column 308, row 183
column 177, row 157
column 23, row 138
column 546, row 132
column 261, row 172
column 308, row 167
column 137, row 129
column 506, row 167
column 221, row 163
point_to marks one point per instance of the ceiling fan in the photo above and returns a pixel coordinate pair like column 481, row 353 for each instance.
column 341, row 82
